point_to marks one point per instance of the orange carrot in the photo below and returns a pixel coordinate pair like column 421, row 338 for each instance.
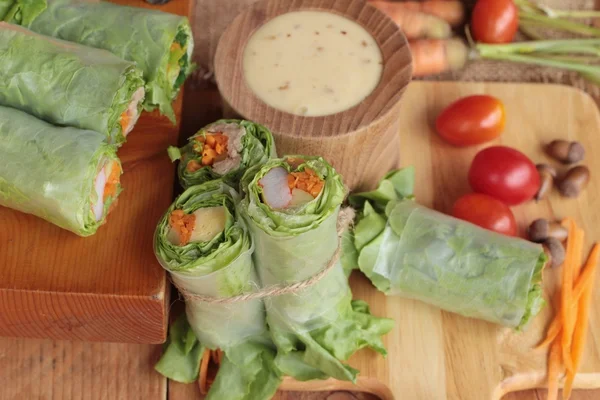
column 555, row 327
column 567, row 294
column 568, row 330
column 554, row 369
column 415, row 24
column 451, row 11
column 581, row 327
column 432, row 56
column 202, row 377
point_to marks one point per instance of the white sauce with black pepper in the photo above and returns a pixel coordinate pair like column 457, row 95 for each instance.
column 312, row 63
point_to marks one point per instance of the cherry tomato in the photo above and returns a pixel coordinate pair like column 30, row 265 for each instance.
column 504, row 173
column 494, row 21
column 471, row 120
column 487, row 212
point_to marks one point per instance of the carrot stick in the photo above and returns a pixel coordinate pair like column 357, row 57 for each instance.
column 432, row 56
column 415, row 24
column 202, row 377
column 581, row 327
column 567, row 294
column 451, row 11
column 555, row 327
column 554, row 367
column 568, row 330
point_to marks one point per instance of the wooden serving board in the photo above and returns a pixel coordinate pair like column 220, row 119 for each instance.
column 437, row 355
column 107, row 287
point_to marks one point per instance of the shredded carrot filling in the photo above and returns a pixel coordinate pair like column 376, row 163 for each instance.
column 183, row 224
column 213, row 148
column 125, row 119
column 306, row 180
column 175, row 46
column 112, row 182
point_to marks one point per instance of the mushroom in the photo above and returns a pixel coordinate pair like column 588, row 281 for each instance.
column 565, row 151
column 547, row 175
column 541, row 229
column 574, row 181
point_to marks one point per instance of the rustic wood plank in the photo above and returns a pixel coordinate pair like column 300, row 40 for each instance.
column 107, row 287
column 43, row 369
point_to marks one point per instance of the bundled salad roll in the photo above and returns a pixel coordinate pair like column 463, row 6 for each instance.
column 67, row 176
column 292, row 206
column 412, row 251
column 207, row 249
column 160, row 43
column 68, row 84
column 224, row 150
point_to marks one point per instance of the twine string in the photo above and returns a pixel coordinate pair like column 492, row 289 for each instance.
column 345, row 218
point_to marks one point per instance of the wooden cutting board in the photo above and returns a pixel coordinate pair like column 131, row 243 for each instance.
column 107, row 287
column 436, row 355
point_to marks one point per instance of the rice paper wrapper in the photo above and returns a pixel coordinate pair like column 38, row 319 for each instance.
column 135, row 34
column 220, row 268
column 65, row 83
column 50, row 171
column 457, row 266
column 318, row 327
column 224, row 325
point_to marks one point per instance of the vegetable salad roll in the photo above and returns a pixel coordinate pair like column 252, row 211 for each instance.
column 412, row 251
column 67, row 176
column 208, row 251
column 292, row 206
column 223, row 149
column 68, row 84
column 161, row 44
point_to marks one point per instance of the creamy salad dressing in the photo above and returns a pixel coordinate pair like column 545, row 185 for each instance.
column 312, row 63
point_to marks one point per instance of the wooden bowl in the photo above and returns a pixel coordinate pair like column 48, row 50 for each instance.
column 362, row 142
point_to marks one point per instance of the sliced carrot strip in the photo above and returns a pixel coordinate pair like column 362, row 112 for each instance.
column 567, row 294
column 554, row 369
column 583, row 311
column 555, row 327
column 202, row 376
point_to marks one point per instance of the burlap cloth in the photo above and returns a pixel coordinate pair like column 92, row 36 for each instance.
column 211, row 17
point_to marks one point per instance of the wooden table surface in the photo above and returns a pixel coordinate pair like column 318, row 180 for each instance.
column 45, row 369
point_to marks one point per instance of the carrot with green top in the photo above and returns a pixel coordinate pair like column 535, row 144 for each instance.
column 451, row 11
column 434, row 56
column 415, row 24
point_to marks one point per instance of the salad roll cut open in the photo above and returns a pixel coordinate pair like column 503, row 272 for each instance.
column 161, row 44
column 67, row 176
column 68, row 84
column 207, row 249
column 224, row 150
column 412, row 251
column 292, row 207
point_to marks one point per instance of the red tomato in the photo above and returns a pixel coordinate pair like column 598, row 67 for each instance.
column 487, row 212
column 471, row 120
column 494, row 21
column 504, row 173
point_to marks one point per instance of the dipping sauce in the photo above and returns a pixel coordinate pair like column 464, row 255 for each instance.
column 312, row 63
